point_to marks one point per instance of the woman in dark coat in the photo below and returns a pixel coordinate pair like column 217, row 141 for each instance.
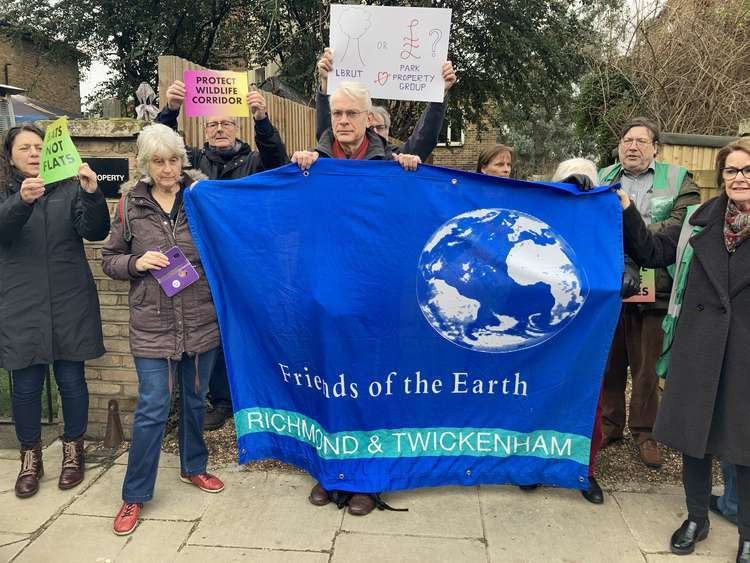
column 705, row 410
column 49, row 309
column 173, row 335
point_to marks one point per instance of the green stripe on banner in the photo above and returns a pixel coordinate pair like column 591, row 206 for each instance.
column 413, row 442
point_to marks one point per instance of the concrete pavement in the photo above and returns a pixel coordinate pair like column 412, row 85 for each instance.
column 265, row 516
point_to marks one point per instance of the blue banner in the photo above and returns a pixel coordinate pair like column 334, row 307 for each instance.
column 389, row 330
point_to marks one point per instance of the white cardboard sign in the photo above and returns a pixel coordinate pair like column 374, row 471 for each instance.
column 398, row 53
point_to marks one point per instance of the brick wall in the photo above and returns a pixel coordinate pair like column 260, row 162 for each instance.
column 113, row 375
column 52, row 81
column 464, row 157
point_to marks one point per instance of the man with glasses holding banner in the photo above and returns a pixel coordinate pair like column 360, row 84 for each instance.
column 662, row 193
column 226, row 157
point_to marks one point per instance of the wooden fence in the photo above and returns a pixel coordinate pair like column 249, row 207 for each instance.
column 697, row 153
column 295, row 122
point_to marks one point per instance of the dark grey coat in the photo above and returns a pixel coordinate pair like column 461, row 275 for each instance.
column 49, row 309
column 705, row 407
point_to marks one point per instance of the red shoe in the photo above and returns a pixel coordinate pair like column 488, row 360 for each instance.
column 127, row 518
column 205, row 482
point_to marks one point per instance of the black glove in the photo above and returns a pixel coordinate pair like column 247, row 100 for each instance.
column 582, row 182
column 631, row 279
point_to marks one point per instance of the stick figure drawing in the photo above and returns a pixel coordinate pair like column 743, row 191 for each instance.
column 354, row 23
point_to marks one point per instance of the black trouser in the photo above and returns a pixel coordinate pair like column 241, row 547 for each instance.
column 218, row 388
column 696, row 477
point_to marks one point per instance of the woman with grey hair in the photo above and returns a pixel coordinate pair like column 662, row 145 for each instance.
column 567, row 169
column 173, row 328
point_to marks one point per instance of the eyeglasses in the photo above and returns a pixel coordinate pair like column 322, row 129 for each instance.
column 350, row 114
column 224, row 124
column 730, row 172
column 641, row 143
column 380, row 128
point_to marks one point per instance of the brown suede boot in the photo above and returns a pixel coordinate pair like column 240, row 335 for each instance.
column 32, row 470
column 72, row 464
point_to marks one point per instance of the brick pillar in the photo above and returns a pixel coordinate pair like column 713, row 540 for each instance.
column 113, row 375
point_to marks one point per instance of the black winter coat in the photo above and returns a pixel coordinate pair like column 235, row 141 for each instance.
column 271, row 152
column 705, row 406
column 49, row 308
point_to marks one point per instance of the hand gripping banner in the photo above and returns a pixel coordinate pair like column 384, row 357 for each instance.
column 389, row 330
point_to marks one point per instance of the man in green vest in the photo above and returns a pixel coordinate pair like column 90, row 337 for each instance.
column 662, row 193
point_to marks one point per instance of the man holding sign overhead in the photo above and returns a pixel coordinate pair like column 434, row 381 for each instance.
column 224, row 157
column 423, row 139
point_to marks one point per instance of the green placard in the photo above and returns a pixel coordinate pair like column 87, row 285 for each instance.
column 60, row 159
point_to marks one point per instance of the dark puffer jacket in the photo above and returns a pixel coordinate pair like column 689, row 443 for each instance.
column 49, row 309
column 271, row 151
column 160, row 326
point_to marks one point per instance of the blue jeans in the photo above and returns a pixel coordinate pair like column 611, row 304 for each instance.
column 218, row 388
column 728, row 501
column 27, row 400
column 151, row 415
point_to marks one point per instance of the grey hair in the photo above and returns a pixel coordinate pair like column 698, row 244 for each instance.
column 356, row 91
column 576, row 166
column 382, row 112
column 159, row 140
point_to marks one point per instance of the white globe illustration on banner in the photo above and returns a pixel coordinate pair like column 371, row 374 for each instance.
column 499, row 280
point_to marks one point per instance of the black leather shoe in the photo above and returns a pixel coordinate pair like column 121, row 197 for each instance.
column 529, row 488
column 216, row 417
column 743, row 553
column 319, row 496
column 594, row 493
column 684, row 539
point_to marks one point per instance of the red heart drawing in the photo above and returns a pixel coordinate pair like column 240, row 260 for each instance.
column 383, row 78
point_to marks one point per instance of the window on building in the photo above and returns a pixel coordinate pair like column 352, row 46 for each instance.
column 452, row 133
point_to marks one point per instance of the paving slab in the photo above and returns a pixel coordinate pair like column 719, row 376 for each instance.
column 197, row 554
column 440, row 512
column 173, row 499
column 6, row 539
column 25, row 516
column 672, row 558
column 9, row 551
column 267, row 511
column 85, row 538
column 354, row 547
column 653, row 518
column 13, row 453
column 551, row 524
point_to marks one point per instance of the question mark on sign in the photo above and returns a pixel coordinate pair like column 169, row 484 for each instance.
column 438, row 36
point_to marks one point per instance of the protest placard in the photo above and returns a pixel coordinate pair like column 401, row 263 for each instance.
column 398, row 53
column 60, row 159
column 647, row 293
column 214, row 92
